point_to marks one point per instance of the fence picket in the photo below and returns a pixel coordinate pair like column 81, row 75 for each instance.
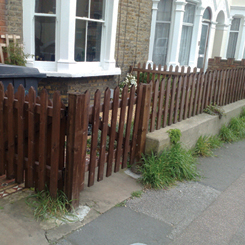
column 29, row 180
column 94, row 137
column 20, row 135
column 2, row 131
column 166, row 105
column 121, row 128
column 104, row 129
column 182, row 102
column 55, row 144
column 187, row 96
column 177, row 103
column 128, row 127
column 194, row 77
column 160, row 104
column 136, row 123
column 113, row 131
column 198, row 81
column 173, row 95
column 154, row 105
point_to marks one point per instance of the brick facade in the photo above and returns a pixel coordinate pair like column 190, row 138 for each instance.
column 220, row 64
column 67, row 85
column 133, row 33
column 14, row 17
column 3, row 27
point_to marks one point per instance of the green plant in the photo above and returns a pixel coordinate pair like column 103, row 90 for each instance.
column 136, row 194
column 237, row 125
column 214, row 110
column 174, row 135
column 226, row 134
column 121, row 204
column 46, row 207
column 205, row 144
column 16, row 54
column 242, row 115
column 174, row 164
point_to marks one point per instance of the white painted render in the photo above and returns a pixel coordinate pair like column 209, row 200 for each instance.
column 222, row 13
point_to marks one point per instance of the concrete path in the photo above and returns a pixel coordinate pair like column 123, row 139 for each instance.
column 211, row 211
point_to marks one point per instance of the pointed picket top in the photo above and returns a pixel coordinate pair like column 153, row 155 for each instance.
column 1, row 89
column 139, row 65
column 149, row 66
column 195, row 70
column 171, row 68
column 154, row 67
column 50, row 102
column 38, row 100
column 144, row 65
column 182, row 69
column 176, row 68
column 21, row 90
column 188, row 70
column 10, row 89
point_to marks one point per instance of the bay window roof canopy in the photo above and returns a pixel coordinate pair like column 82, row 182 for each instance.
column 71, row 38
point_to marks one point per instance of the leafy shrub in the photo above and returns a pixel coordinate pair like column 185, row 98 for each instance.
column 174, row 135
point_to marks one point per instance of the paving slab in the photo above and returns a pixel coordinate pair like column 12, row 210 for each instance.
column 239, row 237
column 121, row 226
column 177, row 206
column 225, row 167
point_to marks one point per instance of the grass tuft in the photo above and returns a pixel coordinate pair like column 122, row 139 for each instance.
column 205, row 144
column 136, row 194
column 174, row 164
column 46, row 207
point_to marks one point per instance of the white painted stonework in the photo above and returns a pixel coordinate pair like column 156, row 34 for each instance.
column 222, row 12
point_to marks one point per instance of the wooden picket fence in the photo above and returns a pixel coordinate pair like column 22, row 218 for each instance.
column 146, row 73
column 176, row 98
column 44, row 144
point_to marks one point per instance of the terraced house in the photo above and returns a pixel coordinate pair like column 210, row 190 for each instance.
column 90, row 44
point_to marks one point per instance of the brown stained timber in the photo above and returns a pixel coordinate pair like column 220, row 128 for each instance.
column 2, row 145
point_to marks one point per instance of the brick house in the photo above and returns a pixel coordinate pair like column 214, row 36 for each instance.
column 90, row 44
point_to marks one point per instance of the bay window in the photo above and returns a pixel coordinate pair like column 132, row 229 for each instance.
column 71, row 37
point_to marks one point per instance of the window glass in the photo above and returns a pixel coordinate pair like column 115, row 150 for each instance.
column 164, row 10
column 82, row 8
column 80, row 40
column 235, row 24
column 185, row 45
column 45, row 38
column 232, row 45
column 45, row 6
column 189, row 13
column 161, row 43
column 206, row 14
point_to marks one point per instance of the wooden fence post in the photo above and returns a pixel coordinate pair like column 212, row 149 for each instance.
column 144, row 121
column 77, row 126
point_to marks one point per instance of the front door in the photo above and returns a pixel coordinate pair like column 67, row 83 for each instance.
column 203, row 46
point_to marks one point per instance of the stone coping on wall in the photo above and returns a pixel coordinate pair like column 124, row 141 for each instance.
column 192, row 128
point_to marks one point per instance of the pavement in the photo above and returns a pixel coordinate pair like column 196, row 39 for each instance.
column 210, row 211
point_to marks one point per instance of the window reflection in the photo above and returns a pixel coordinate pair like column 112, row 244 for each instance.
column 45, row 6
column 45, row 38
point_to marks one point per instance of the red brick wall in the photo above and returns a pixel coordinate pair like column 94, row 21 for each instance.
column 220, row 64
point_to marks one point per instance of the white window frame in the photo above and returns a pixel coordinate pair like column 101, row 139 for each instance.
column 64, row 64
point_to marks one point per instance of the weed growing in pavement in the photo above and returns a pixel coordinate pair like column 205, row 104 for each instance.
column 205, row 144
column 214, row 110
column 136, row 194
column 121, row 204
column 46, row 207
column 173, row 164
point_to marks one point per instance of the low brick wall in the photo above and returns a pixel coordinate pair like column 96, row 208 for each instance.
column 220, row 64
column 67, row 85
column 192, row 128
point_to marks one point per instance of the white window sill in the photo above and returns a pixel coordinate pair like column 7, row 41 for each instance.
column 91, row 73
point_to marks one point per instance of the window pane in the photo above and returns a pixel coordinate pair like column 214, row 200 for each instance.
column 45, row 6
column 235, row 24
column 161, row 44
column 96, row 9
column 189, row 13
column 82, row 8
column 164, row 10
column 45, row 38
column 80, row 40
column 185, row 45
column 206, row 14
column 94, row 41
column 232, row 45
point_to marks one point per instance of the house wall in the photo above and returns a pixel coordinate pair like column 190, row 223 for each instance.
column 14, row 17
column 133, row 33
column 68, row 85
column 3, row 27
column 220, row 64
